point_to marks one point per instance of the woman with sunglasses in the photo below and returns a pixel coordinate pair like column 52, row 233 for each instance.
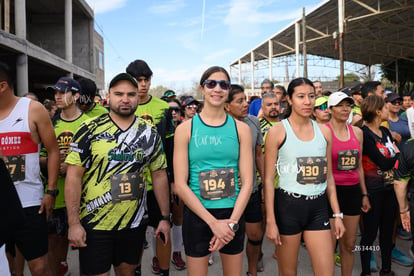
column 397, row 123
column 300, row 150
column 217, row 148
column 320, row 112
column 190, row 107
column 348, row 174
column 378, row 159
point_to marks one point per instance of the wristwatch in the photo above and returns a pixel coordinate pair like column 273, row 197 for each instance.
column 167, row 218
column 340, row 215
column 234, row 226
column 53, row 192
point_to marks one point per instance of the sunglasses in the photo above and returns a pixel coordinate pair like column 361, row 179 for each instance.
column 191, row 107
column 396, row 102
column 322, row 107
column 176, row 109
column 210, row 84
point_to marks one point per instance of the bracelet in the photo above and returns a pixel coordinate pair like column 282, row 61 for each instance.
column 406, row 211
column 367, row 195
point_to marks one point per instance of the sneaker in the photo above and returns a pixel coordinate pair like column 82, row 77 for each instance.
column 337, row 259
column 210, row 260
column 178, row 261
column 260, row 266
column 373, row 264
column 146, row 245
column 155, row 266
column 63, row 268
column 411, row 251
column 398, row 257
column 402, row 234
column 389, row 273
column 137, row 271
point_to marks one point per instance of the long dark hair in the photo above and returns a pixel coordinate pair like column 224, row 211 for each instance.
column 291, row 88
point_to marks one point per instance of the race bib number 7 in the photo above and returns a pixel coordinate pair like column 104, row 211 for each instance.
column 217, row 184
column 312, row 170
column 16, row 164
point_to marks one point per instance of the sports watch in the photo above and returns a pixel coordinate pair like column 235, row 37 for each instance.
column 53, row 192
column 234, row 226
column 167, row 218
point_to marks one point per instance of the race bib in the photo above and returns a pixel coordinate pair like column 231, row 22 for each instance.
column 388, row 177
column 217, row 184
column 16, row 164
column 311, row 170
column 127, row 187
column 348, row 160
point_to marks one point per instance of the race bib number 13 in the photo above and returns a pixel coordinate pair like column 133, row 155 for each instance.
column 127, row 187
column 311, row 170
column 217, row 184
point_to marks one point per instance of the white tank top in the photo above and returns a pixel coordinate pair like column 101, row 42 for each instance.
column 22, row 154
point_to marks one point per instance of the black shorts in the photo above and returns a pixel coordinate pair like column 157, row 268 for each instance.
column 106, row 248
column 349, row 200
column 58, row 222
column 197, row 234
column 253, row 211
column 154, row 212
column 32, row 238
column 296, row 213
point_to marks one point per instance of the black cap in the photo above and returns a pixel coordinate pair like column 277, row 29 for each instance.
column 392, row 97
column 123, row 76
column 188, row 101
column 66, row 84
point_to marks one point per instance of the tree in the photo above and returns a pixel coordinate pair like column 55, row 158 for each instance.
column 158, row 91
column 405, row 73
column 350, row 77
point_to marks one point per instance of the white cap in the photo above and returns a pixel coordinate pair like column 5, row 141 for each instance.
column 337, row 97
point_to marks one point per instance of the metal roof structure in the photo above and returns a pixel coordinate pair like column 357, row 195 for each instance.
column 375, row 31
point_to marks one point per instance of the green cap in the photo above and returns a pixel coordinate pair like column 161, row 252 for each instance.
column 123, row 76
column 321, row 100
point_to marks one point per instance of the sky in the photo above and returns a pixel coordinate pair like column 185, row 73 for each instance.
column 180, row 39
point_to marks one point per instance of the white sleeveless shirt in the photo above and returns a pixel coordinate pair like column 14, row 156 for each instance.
column 22, row 154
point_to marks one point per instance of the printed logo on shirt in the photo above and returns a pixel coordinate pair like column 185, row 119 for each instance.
column 20, row 119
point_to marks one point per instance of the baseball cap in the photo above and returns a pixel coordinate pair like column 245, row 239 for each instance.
column 321, row 100
column 337, row 97
column 392, row 97
column 66, row 84
column 355, row 89
column 170, row 94
column 123, row 76
column 188, row 101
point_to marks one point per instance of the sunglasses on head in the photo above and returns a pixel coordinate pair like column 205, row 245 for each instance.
column 322, row 107
column 210, row 84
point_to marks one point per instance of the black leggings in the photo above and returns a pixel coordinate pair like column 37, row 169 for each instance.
column 381, row 217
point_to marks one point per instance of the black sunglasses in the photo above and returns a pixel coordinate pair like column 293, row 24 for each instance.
column 176, row 109
column 210, row 84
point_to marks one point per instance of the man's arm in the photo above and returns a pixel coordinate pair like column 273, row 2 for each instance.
column 44, row 130
column 162, row 194
column 73, row 190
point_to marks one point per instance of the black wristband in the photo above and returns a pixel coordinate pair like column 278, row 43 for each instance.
column 367, row 195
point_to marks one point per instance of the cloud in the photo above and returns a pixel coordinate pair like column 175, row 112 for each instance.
column 102, row 6
column 170, row 6
column 218, row 54
column 245, row 16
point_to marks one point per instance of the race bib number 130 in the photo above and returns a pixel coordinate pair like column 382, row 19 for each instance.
column 217, row 184
column 312, row 170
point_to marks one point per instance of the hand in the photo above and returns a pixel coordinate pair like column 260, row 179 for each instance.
column 339, row 228
column 396, row 149
column 48, row 203
column 216, row 244
column 406, row 222
column 272, row 233
column 77, row 235
column 366, row 205
column 396, row 137
column 222, row 231
column 163, row 227
column 62, row 169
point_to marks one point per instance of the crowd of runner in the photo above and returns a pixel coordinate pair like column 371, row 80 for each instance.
column 224, row 173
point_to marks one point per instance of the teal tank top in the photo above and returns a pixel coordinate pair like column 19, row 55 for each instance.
column 213, row 154
column 302, row 166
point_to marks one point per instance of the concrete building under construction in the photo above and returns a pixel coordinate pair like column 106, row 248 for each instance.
column 42, row 40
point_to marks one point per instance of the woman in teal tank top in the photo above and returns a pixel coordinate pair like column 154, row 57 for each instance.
column 211, row 150
column 300, row 150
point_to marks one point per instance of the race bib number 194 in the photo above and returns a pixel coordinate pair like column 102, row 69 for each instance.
column 217, row 184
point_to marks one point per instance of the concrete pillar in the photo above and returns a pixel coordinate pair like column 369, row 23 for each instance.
column 68, row 31
column 22, row 75
column 20, row 18
column 252, row 70
column 270, row 59
column 297, row 40
column 240, row 72
column 92, row 66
